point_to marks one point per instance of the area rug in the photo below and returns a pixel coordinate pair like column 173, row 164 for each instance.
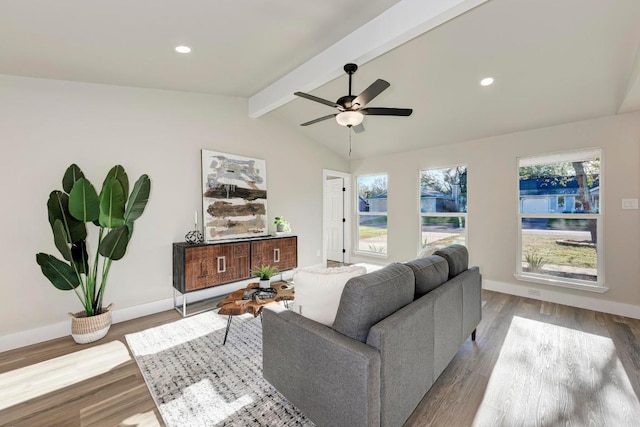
column 548, row 375
column 196, row 381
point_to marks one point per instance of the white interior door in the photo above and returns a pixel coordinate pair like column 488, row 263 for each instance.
column 336, row 222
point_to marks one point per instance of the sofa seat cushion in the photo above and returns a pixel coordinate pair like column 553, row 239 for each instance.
column 430, row 272
column 457, row 257
column 318, row 291
column 369, row 298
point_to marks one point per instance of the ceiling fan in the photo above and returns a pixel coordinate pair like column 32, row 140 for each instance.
column 351, row 109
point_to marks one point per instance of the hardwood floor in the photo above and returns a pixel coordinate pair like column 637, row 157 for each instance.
column 120, row 397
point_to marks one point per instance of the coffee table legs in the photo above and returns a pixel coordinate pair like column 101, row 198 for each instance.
column 226, row 332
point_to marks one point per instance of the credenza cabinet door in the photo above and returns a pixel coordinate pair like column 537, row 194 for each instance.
column 211, row 265
column 281, row 253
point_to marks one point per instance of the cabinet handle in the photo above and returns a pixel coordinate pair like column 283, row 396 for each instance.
column 222, row 264
column 276, row 255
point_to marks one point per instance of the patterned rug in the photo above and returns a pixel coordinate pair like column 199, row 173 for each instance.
column 196, row 381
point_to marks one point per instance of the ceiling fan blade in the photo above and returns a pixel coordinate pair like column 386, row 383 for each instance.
column 379, row 111
column 371, row 92
column 319, row 119
column 316, row 99
column 358, row 128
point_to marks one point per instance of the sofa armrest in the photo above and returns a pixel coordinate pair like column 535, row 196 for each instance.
column 471, row 301
column 333, row 379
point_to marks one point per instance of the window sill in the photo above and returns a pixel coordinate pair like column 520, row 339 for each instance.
column 561, row 283
column 371, row 254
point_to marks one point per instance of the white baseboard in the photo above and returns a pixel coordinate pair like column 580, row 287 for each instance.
column 550, row 295
column 62, row 329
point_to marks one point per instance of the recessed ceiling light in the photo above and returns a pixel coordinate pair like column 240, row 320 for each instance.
column 183, row 49
column 486, row 81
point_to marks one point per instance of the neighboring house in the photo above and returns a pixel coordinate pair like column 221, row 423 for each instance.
column 378, row 203
column 430, row 201
column 548, row 195
column 436, row 201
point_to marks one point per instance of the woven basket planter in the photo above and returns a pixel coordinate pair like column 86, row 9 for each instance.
column 89, row 329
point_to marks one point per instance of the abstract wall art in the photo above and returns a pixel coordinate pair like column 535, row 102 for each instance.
column 234, row 196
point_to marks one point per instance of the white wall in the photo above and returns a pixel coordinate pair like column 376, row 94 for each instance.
column 492, row 186
column 46, row 125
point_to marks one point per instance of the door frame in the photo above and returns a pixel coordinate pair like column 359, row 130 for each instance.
column 346, row 238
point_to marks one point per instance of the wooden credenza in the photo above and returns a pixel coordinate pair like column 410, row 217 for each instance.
column 201, row 266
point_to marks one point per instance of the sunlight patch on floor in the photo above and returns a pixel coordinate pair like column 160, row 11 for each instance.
column 145, row 419
column 45, row 377
column 552, row 375
column 203, row 397
column 158, row 338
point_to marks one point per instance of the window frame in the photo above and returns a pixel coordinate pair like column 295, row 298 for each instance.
column 357, row 249
column 441, row 214
column 566, row 282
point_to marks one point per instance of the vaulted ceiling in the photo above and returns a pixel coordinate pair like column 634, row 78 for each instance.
column 553, row 61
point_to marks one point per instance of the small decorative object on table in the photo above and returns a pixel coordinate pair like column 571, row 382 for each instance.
column 194, row 236
column 282, row 225
column 264, row 273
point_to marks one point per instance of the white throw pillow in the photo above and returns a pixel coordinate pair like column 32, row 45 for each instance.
column 318, row 291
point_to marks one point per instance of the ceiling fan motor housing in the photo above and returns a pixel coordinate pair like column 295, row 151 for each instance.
column 346, row 102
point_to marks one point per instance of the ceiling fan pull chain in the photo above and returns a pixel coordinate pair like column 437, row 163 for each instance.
column 349, row 130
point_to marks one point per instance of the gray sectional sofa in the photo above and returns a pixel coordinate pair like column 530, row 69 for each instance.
column 396, row 330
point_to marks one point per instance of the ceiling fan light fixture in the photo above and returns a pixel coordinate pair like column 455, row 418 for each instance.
column 349, row 118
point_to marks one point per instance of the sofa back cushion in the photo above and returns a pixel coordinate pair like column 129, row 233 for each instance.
column 369, row 298
column 431, row 272
column 318, row 291
column 457, row 257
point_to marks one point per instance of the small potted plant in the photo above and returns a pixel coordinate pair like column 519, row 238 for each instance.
column 281, row 224
column 265, row 273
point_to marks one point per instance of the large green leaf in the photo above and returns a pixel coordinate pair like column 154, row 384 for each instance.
column 118, row 173
column 114, row 244
column 58, row 209
column 59, row 273
column 112, row 204
column 61, row 240
column 72, row 174
column 84, row 203
column 138, row 200
column 80, row 256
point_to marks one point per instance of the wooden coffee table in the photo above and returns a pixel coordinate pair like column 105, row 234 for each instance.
column 234, row 305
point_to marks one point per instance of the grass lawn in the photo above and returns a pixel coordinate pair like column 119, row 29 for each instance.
column 553, row 253
column 455, row 239
column 366, row 231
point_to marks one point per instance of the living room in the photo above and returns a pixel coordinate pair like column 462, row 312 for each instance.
column 59, row 110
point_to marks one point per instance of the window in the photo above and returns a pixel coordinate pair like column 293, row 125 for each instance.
column 443, row 207
column 560, row 225
column 372, row 214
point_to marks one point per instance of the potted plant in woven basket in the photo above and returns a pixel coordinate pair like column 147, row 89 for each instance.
column 113, row 211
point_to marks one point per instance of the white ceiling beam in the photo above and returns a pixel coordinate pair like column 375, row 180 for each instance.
column 400, row 23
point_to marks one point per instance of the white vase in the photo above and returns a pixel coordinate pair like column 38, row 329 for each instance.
column 265, row 284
